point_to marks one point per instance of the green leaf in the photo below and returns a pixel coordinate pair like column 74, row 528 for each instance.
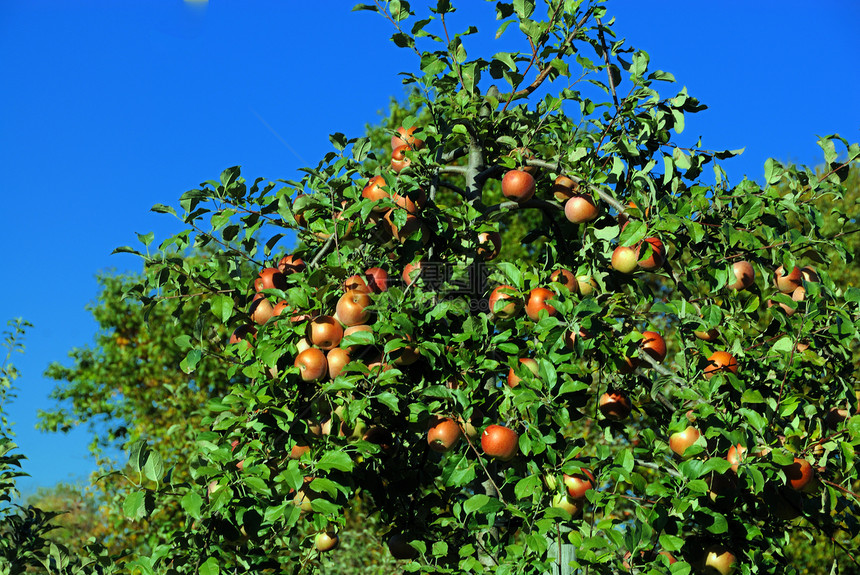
column 137, row 455
column 192, row 503
column 189, row 363
column 335, row 460
column 162, row 209
column 154, row 466
column 476, row 502
column 209, row 567
column 134, row 506
column 222, row 307
column 526, row 486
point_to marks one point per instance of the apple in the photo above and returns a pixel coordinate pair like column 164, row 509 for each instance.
column 326, row 541
column 336, row 359
column 719, row 561
column 304, row 496
column 580, row 208
column 834, row 418
column 291, row 264
column 625, row 259
column 514, row 379
column 312, row 364
column 787, row 282
column 736, row 455
column 356, row 282
column 564, row 188
column 399, row 160
column 243, row 333
column 537, row 302
column 300, row 448
column 657, row 257
column 513, row 303
column 799, row 474
column 669, row 557
column 586, row 285
column 653, row 344
column 578, row 484
column 399, row 547
column 615, row 405
column 809, row 274
column 744, row 275
column 710, row 335
column 443, row 433
column 627, row 365
column 261, row 311
column 721, row 361
column 302, row 345
column 405, row 137
column 351, row 349
column 352, row 307
column 411, row 272
column 374, row 191
column 404, row 232
column 299, row 216
column 270, row 278
column 489, row 245
column 325, row 332
column 376, row 279
column 681, row 440
column 499, row 441
column 518, row 186
column 565, row 278
column 564, row 501
column 412, row 203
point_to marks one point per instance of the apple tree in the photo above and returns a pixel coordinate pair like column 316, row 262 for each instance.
column 660, row 379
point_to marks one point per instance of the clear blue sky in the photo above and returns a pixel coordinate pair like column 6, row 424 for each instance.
column 109, row 107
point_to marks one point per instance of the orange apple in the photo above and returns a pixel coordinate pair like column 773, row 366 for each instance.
column 564, row 188
column 352, row 307
column 312, row 364
column 411, row 272
column 513, row 303
column 787, row 282
column 657, row 257
column 719, row 561
column 374, row 191
column 261, row 311
column 376, row 279
column 736, row 455
column 270, row 278
column 291, row 264
column 399, row 160
column 799, row 474
column 405, row 137
column 681, row 440
column 564, row 277
column 578, row 484
column 615, row 405
column 653, row 344
column 325, row 332
column 744, row 275
column 500, row 441
column 721, row 361
column 336, row 359
column 489, row 245
column 537, row 302
column 585, row 285
column 412, row 203
column 514, row 380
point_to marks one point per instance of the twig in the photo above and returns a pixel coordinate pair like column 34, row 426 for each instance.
column 609, row 71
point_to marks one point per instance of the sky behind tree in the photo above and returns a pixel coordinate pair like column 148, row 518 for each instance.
column 110, row 107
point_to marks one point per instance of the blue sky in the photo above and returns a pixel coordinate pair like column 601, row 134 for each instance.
column 110, row 107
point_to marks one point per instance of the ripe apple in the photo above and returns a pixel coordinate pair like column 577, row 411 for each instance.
column 809, row 274
column 653, row 344
column 405, row 137
column 586, row 285
column 580, row 208
column 615, row 405
column 787, row 282
column 374, row 191
column 406, row 355
column 336, row 359
column 243, row 333
column 443, row 433
column 291, row 264
column 489, row 245
column 564, row 188
column 399, row 547
column 376, row 279
column 564, row 277
column 312, row 364
column 270, row 278
column 744, row 275
column 625, row 259
column 355, row 282
column 627, row 365
column 736, row 455
column 564, row 501
column 518, row 186
column 721, row 361
column 514, row 380
column 657, row 257
column 326, row 541
column 513, row 305
column 300, row 448
column 799, row 474
column 302, row 345
column 499, row 441
column 404, row 232
column 681, row 440
column 261, row 311
column 399, row 161
column 411, row 272
column 719, row 561
column 352, row 307
column 325, row 332
column 579, row 483
column 412, row 202
column 537, row 302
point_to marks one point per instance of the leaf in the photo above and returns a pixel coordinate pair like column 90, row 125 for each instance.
column 162, row 209
column 192, row 503
column 475, row 502
column 137, row 455
column 335, row 460
column 527, row 486
column 209, row 567
column 190, row 361
column 154, row 466
column 222, row 307
column 134, row 506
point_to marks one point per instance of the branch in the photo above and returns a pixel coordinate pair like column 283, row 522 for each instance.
column 609, row 70
column 603, row 195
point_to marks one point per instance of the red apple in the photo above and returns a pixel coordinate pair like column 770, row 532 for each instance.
column 653, row 344
column 736, row 455
column 412, row 203
column 615, row 405
column 537, row 302
column 312, row 364
column 721, row 361
column 518, row 186
column 799, row 474
column 336, row 359
column 564, row 501
column 443, row 433
column 261, row 311
column 270, row 278
column 291, row 264
column 411, row 272
column 377, row 279
column 325, row 332
column 399, row 161
column 564, row 188
column 514, row 379
column 489, row 245
column 374, row 191
column 513, row 301
column 499, row 441
column 352, row 307
column 405, row 137
column 787, row 282
column 578, row 484
column 657, row 257
column 565, row 278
